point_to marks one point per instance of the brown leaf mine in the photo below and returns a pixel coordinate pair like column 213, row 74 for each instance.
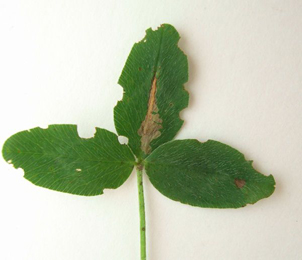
column 150, row 127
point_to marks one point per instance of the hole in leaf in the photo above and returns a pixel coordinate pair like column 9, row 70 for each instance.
column 42, row 126
column 123, row 139
column 78, row 170
column 86, row 132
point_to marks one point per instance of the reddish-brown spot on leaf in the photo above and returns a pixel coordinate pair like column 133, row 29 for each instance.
column 239, row 183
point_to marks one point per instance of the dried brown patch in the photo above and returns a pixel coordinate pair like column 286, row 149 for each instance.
column 150, row 127
column 239, row 183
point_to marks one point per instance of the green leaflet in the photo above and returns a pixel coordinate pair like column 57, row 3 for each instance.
column 58, row 159
column 210, row 174
column 153, row 79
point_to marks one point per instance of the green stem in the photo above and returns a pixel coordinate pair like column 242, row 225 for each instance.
column 140, row 186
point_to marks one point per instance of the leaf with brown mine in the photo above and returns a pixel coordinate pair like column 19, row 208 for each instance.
column 153, row 81
column 150, row 127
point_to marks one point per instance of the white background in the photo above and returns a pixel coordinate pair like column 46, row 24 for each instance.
column 60, row 62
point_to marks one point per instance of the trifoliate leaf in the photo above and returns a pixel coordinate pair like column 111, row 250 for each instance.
column 58, row 159
column 210, row 174
column 153, row 79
